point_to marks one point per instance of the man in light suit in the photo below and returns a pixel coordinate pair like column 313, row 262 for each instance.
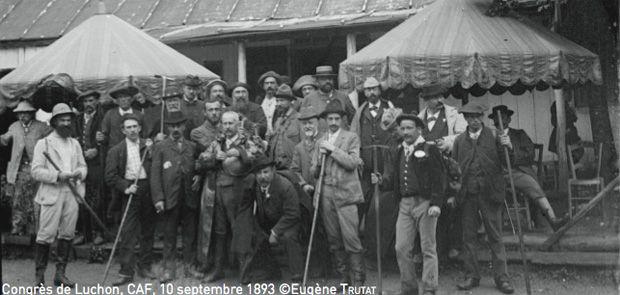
column 59, row 209
column 341, row 193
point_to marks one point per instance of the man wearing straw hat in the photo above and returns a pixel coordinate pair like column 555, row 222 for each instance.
column 59, row 208
column 23, row 135
column 303, row 87
column 482, row 195
column 326, row 77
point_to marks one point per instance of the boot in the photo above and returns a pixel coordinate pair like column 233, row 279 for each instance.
column 42, row 252
column 547, row 211
column 342, row 266
column 63, row 250
column 220, row 255
column 358, row 268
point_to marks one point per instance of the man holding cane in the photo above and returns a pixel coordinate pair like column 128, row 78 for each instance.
column 127, row 173
column 59, row 208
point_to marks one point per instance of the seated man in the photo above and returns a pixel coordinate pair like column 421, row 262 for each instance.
column 274, row 203
column 522, row 162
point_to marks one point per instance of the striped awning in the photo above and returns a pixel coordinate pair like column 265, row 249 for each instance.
column 103, row 51
column 453, row 41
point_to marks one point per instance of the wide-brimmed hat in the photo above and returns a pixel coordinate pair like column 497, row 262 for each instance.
column 285, row 91
column 325, row 71
column 175, row 118
column 502, row 109
column 61, row 109
column 307, row 113
column 412, row 117
column 433, row 91
column 216, row 82
column 303, row 81
column 192, row 81
column 474, row 107
column 129, row 90
column 261, row 162
column 333, row 107
column 371, row 82
column 269, row 74
column 86, row 94
column 24, row 106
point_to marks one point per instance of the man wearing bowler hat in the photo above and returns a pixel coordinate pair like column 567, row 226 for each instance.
column 22, row 135
column 341, row 194
column 287, row 130
column 326, row 78
column 255, row 122
column 174, row 183
column 479, row 152
column 269, row 82
column 522, row 162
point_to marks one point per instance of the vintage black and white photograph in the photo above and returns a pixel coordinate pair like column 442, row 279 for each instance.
column 309, row 147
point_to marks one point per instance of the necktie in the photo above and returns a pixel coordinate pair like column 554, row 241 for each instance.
column 373, row 110
column 431, row 119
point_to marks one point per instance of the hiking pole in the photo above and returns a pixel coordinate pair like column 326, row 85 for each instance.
column 526, row 273
column 120, row 227
column 78, row 197
column 316, row 201
column 512, row 225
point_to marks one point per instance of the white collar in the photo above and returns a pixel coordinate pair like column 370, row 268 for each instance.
column 335, row 134
column 429, row 114
column 474, row 134
column 233, row 139
column 415, row 143
column 377, row 105
column 129, row 111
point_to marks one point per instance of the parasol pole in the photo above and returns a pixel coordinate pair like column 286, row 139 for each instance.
column 526, row 273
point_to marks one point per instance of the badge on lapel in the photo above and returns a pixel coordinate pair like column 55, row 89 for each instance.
column 167, row 165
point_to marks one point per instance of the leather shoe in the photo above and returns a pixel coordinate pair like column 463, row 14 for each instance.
column 504, row 286
column 193, row 272
column 145, row 272
column 123, row 280
column 469, row 284
column 166, row 278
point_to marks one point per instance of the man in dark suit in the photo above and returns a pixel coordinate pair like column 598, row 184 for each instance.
column 478, row 151
column 522, row 172
column 88, row 123
column 111, row 125
column 255, row 121
column 275, row 206
column 173, row 186
column 123, row 168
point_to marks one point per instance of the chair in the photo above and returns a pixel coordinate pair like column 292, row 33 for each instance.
column 596, row 182
column 523, row 203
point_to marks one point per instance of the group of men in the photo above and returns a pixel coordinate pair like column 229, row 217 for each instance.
column 239, row 177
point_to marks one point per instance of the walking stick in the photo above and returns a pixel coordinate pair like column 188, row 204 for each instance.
column 512, row 225
column 378, row 222
column 120, row 227
column 317, row 196
column 79, row 197
column 526, row 273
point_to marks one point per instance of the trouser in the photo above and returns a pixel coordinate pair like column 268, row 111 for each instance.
column 526, row 184
column 413, row 218
column 289, row 240
column 226, row 204
column 341, row 223
column 58, row 219
column 94, row 197
column 181, row 213
column 449, row 230
column 139, row 228
column 388, row 215
column 24, row 210
column 475, row 208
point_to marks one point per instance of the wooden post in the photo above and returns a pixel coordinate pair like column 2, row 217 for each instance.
column 241, row 62
column 561, row 140
column 351, row 45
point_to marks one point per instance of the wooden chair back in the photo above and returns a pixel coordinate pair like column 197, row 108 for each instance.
column 597, row 151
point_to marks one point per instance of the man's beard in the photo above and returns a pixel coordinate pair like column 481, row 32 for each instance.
column 270, row 91
column 327, row 87
column 309, row 133
column 89, row 109
column 176, row 134
column 64, row 131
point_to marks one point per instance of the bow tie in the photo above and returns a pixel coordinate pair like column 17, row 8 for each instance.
column 431, row 119
column 373, row 108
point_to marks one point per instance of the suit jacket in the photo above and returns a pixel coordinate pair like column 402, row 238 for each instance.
column 288, row 133
column 254, row 114
column 279, row 212
column 522, row 152
column 363, row 119
column 111, row 126
column 116, row 165
column 341, row 168
column 490, row 154
column 302, row 160
column 43, row 171
column 90, row 142
column 172, row 171
column 319, row 101
column 456, row 124
column 427, row 169
column 22, row 141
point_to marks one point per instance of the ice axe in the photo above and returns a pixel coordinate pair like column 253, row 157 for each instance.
column 376, row 196
column 317, row 202
column 79, row 197
column 526, row 273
